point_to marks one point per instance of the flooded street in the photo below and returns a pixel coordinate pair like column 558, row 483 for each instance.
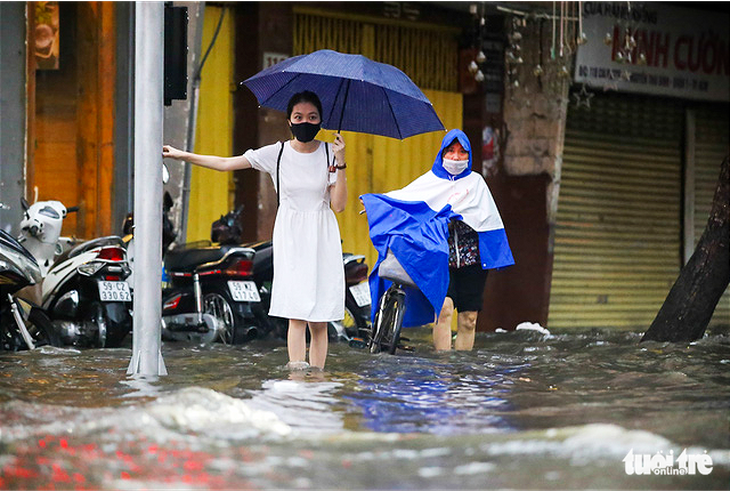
column 524, row 410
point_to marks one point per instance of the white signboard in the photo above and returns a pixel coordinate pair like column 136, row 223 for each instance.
column 271, row 59
column 685, row 52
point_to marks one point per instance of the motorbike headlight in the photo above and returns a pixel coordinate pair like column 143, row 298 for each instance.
column 89, row 269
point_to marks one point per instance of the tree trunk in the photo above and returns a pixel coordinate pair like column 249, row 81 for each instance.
column 688, row 308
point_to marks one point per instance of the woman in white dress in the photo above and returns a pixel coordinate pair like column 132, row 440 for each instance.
column 309, row 280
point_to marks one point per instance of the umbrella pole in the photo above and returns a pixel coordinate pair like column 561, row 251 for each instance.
column 344, row 104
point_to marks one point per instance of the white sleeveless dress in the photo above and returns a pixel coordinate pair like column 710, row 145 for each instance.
column 309, row 276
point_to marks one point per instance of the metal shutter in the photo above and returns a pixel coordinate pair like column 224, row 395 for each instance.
column 712, row 137
column 618, row 230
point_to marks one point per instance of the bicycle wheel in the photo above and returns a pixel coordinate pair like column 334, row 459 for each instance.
column 388, row 322
column 382, row 320
column 392, row 335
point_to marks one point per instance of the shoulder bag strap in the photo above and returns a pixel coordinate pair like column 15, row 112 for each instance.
column 327, row 151
column 278, row 166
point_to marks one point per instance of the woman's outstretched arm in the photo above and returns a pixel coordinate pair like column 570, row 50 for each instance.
column 209, row 161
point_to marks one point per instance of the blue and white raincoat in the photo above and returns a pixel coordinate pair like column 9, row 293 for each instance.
column 413, row 223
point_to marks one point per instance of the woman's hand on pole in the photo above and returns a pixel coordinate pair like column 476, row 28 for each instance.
column 171, row 152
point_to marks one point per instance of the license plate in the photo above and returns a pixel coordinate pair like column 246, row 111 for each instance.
column 114, row 291
column 244, row 291
column 361, row 293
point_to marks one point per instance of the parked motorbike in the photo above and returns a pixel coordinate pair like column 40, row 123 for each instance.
column 212, row 295
column 357, row 299
column 23, row 325
column 84, row 287
column 233, row 286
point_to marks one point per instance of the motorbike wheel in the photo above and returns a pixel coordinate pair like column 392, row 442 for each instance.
column 218, row 306
column 114, row 321
column 345, row 329
column 349, row 323
column 41, row 329
column 99, row 324
column 357, row 318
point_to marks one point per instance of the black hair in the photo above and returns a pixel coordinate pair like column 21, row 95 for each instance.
column 300, row 97
column 456, row 139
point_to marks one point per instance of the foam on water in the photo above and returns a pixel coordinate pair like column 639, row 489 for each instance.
column 190, row 410
column 526, row 325
column 303, row 405
column 204, row 410
column 586, row 441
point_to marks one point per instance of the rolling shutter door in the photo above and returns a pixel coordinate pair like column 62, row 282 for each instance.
column 618, row 230
column 711, row 146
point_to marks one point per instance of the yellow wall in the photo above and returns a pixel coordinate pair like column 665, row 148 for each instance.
column 380, row 164
column 210, row 191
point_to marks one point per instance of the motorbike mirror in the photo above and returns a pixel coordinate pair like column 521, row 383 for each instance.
column 24, row 203
column 165, row 174
column 72, row 209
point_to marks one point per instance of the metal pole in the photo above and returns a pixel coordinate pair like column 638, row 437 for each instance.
column 148, row 125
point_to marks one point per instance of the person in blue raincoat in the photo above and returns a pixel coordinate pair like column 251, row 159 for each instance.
column 445, row 230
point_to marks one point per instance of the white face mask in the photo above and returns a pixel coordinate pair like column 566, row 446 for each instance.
column 455, row 167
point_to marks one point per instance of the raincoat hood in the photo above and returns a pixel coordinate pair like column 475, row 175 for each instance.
column 438, row 164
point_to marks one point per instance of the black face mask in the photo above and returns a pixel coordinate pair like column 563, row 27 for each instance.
column 305, row 132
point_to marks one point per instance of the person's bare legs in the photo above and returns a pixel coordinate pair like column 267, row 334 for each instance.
column 318, row 344
column 296, row 341
column 466, row 329
column 442, row 327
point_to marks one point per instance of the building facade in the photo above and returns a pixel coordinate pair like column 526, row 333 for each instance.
column 599, row 129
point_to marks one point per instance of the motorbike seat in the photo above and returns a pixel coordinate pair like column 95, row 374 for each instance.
column 185, row 260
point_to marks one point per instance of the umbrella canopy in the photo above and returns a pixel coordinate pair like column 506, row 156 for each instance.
column 357, row 94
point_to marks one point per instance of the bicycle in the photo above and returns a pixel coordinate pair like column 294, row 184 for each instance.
column 385, row 334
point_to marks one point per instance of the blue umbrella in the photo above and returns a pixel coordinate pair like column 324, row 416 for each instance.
column 357, row 94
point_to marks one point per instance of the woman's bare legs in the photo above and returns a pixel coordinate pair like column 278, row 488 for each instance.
column 466, row 329
column 296, row 341
column 318, row 344
column 442, row 327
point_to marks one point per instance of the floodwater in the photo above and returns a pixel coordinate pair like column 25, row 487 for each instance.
column 524, row 410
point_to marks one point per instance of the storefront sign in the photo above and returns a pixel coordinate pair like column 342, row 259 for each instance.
column 271, row 59
column 674, row 51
